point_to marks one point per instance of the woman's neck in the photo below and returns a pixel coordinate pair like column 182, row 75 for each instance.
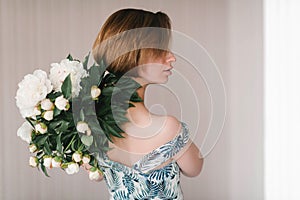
column 139, row 113
column 141, row 90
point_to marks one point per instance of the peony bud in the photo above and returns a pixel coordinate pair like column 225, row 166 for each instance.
column 41, row 128
column 72, row 168
column 46, row 104
column 47, row 161
column 83, row 127
column 56, row 161
column 86, row 159
column 95, row 92
column 36, row 111
column 95, row 174
column 77, row 156
column 48, row 115
column 33, row 161
column 61, row 103
column 32, row 148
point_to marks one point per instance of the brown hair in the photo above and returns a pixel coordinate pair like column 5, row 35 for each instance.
column 110, row 51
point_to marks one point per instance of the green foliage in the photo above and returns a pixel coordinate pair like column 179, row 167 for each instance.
column 87, row 140
column 66, row 87
column 70, row 57
column 44, row 170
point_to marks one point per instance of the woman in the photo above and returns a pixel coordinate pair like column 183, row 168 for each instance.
column 147, row 162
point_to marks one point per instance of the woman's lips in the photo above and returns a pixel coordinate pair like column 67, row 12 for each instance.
column 168, row 71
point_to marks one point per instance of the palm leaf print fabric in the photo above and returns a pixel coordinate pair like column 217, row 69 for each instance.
column 142, row 181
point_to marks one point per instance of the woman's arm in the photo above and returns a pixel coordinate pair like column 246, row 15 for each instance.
column 190, row 160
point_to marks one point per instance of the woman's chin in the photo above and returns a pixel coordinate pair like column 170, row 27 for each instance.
column 165, row 80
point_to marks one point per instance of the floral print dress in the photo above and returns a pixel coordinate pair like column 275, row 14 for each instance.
column 142, row 180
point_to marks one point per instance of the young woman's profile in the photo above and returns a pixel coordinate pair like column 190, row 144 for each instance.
column 147, row 162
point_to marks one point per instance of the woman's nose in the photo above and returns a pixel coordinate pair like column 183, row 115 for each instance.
column 171, row 57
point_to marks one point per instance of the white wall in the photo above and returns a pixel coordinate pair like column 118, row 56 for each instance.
column 246, row 99
column 35, row 33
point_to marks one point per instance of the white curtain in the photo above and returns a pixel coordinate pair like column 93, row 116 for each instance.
column 282, row 99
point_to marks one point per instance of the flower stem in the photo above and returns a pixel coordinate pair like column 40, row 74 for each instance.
column 69, row 143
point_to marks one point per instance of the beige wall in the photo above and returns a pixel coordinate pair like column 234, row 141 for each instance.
column 35, row 33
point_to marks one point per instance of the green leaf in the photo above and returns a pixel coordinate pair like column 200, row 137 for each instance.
column 131, row 105
column 107, row 91
column 40, row 140
column 54, row 124
column 40, row 154
column 136, row 98
column 56, row 112
column 87, row 98
column 119, row 117
column 70, row 143
column 63, row 126
column 58, row 143
column 102, row 110
column 30, row 121
column 113, row 132
column 52, row 96
column 73, row 145
column 85, row 61
column 66, row 87
column 94, row 75
column 87, row 140
column 81, row 114
column 90, row 111
column 70, row 57
column 44, row 170
column 47, row 148
column 96, row 128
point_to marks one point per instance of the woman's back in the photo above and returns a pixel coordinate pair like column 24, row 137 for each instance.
column 142, row 137
column 133, row 172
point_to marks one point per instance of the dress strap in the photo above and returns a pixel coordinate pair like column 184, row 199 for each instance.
column 163, row 153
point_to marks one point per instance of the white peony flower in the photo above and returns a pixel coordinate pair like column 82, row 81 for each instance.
column 47, row 161
column 95, row 92
column 56, row 162
column 32, row 89
column 77, row 156
column 33, row 161
column 95, row 174
column 32, row 148
column 59, row 71
column 83, row 127
column 41, row 128
column 61, row 103
column 48, row 115
column 46, row 104
column 86, row 159
column 72, row 168
column 24, row 132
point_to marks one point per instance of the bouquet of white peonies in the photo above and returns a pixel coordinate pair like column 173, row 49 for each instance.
column 72, row 114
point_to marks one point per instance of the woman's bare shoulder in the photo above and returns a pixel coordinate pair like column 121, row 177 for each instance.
column 172, row 127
